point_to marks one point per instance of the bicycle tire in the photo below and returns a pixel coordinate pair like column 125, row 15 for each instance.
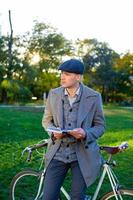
column 24, row 185
column 125, row 193
column 24, row 193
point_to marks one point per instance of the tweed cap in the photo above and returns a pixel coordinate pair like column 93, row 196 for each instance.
column 72, row 66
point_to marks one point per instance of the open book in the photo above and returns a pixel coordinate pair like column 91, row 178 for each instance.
column 57, row 130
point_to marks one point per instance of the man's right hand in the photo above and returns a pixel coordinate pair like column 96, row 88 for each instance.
column 58, row 135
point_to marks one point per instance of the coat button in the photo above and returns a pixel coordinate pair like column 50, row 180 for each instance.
column 86, row 146
column 69, row 124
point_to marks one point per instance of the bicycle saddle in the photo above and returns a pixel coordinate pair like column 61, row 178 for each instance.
column 115, row 149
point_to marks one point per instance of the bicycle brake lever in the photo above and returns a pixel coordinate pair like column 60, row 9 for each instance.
column 29, row 155
column 29, row 151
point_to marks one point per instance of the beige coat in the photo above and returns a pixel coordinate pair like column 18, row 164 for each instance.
column 90, row 118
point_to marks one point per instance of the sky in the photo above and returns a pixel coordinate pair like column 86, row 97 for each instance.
column 108, row 21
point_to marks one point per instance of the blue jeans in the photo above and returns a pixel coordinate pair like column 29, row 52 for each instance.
column 55, row 175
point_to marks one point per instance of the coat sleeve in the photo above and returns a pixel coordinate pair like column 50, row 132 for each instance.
column 98, row 123
column 47, row 120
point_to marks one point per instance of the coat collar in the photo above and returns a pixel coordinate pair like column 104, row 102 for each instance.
column 87, row 92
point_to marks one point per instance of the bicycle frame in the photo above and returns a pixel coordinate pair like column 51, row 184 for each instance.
column 107, row 170
column 113, row 181
column 65, row 193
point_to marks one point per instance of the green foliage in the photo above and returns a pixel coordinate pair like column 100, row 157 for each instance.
column 24, row 94
column 21, row 126
column 124, row 79
column 15, row 91
column 3, row 49
column 99, row 60
column 45, row 42
column 45, row 82
column 107, row 71
column 21, row 76
column 9, row 73
column 49, row 45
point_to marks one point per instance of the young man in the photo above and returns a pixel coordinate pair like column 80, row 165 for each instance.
column 77, row 108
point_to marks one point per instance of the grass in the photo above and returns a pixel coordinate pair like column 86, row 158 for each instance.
column 21, row 127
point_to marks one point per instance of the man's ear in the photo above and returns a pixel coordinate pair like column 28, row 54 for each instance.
column 79, row 77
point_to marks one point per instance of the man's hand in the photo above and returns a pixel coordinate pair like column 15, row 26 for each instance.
column 78, row 133
column 58, row 135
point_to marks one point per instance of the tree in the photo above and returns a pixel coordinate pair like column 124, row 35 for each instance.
column 50, row 46
column 3, row 57
column 124, row 79
column 19, row 74
column 11, row 75
column 99, row 61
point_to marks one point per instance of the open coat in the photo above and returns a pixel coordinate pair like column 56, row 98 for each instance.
column 90, row 118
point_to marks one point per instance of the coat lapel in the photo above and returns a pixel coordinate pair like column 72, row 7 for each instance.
column 86, row 103
column 59, row 108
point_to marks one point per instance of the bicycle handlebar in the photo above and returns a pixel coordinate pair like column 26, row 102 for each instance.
column 29, row 149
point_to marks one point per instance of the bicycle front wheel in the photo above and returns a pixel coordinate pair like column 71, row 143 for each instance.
column 25, row 185
column 125, row 195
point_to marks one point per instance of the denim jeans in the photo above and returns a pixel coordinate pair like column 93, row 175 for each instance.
column 55, row 175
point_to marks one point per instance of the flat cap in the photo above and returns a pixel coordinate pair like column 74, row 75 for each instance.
column 72, row 66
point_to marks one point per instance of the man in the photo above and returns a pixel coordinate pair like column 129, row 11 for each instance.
column 77, row 108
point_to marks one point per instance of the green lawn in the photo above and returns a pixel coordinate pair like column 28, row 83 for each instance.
column 22, row 127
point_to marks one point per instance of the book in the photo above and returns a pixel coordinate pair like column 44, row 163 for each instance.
column 58, row 130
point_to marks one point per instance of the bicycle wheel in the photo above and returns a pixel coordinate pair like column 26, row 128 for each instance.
column 24, row 185
column 125, row 194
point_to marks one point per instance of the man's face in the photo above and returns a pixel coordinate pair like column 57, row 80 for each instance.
column 69, row 80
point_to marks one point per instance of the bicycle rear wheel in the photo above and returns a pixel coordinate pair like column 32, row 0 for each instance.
column 125, row 194
column 24, row 185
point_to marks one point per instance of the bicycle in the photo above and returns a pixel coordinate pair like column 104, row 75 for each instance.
column 25, row 180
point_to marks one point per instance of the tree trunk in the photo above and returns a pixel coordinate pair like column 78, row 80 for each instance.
column 10, row 59
column 10, row 43
column 4, row 96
